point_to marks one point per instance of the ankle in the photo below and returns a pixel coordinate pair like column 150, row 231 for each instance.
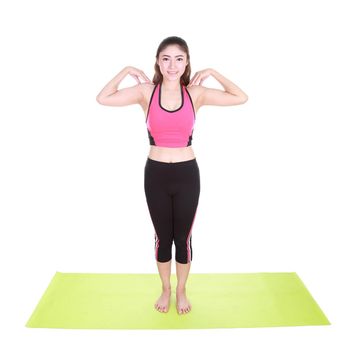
column 181, row 289
column 166, row 288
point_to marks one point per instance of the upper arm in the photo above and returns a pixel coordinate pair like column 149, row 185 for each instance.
column 216, row 97
column 123, row 97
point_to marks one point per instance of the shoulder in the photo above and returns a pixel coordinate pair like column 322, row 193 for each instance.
column 196, row 92
column 147, row 89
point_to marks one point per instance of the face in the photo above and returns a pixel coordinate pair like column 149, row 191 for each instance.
column 172, row 62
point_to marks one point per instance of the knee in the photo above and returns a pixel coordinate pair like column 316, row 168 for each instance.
column 163, row 252
column 180, row 240
column 163, row 260
column 183, row 257
column 183, row 251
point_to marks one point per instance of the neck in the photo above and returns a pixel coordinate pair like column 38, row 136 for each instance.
column 171, row 85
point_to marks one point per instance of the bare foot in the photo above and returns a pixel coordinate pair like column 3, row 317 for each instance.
column 183, row 305
column 163, row 303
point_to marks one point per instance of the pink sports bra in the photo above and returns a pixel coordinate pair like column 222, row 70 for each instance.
column 170, row 128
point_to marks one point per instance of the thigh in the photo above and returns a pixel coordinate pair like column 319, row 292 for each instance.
column 186, row 199
column 159, row 201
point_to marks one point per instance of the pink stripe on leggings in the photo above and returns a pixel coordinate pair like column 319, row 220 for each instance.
column 156, row 246
column 188, row 240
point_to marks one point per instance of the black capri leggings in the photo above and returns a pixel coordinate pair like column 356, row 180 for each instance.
column 172, row 192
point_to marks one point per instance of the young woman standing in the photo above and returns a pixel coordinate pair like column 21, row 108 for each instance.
column 172, row 178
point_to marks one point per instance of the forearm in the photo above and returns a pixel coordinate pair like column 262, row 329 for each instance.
column 112, row 86
column 228, row 85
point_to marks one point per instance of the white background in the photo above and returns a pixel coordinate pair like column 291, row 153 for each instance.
column 278, row 188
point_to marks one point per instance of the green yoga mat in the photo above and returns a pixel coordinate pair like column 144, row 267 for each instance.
column 219, row 300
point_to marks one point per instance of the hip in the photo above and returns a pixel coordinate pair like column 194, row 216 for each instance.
column 186, row 171
column 179, row 178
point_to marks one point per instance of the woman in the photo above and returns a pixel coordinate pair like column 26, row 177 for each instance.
column 171, row 179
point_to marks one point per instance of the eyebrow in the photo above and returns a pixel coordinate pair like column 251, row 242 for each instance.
column 170, row 56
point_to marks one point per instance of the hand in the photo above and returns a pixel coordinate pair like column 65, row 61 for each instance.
column 200, row 76
column 137, row 73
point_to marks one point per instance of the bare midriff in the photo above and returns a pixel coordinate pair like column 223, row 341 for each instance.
column 171, row 155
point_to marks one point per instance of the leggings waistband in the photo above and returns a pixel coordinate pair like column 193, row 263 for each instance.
column 174, row 164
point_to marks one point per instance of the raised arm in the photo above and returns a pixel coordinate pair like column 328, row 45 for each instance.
column 111, row 96
column 233, row 95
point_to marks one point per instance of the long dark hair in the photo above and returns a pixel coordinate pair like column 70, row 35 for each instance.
column 173, row 40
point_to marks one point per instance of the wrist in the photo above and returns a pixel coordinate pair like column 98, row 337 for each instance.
column 126, row 69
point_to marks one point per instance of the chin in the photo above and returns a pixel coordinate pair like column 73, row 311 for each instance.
column 178, row 77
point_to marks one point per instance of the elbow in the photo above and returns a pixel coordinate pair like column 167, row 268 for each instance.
column 242, row 100
column 99, row 100
column 245, row 99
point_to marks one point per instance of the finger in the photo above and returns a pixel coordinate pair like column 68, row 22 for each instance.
column 136, row 78
column 145, row 77
column 202, row 79
column 197, row 79
column 192, row 79
column 192, row 82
